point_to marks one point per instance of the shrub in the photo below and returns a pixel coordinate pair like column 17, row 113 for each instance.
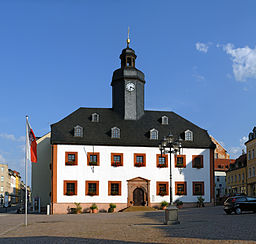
column 164, row 204
column 93, row 206
column 112, row 205
column 178, row 202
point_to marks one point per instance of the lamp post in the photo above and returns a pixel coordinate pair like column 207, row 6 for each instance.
column 170, row 145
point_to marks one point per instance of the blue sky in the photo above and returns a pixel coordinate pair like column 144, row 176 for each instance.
column 199, row 60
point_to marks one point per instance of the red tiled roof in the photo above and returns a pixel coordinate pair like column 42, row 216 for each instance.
column 222, row 164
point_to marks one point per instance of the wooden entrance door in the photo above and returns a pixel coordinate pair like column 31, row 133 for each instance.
column 138, row 197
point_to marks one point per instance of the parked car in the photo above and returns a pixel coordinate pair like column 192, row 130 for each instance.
column 238, row 204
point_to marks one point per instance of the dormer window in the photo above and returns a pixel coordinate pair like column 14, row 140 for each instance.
column 188, row 135
column 95, row 117
column 115, row 132
column 153, row 134
column 164, row 120
column 78, row 131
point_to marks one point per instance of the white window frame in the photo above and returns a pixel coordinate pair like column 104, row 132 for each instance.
column 115, row 133
column 165, row 120
column 76, row 131
column 152, row 132
column 95, row 117
column 188, row 135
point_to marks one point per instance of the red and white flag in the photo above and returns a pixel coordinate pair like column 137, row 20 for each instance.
column 31, row 145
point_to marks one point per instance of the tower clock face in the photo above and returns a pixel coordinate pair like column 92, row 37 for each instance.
column 130, row 87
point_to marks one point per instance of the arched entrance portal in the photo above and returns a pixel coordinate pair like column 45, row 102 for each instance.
column 138, row 192
column 138, row 197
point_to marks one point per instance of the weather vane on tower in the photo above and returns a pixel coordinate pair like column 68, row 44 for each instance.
column 128, row 40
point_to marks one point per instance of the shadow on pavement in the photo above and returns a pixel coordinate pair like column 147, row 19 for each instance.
column 210, row 223
column 55, row 239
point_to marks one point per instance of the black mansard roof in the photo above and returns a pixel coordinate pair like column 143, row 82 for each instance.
column 133, row 132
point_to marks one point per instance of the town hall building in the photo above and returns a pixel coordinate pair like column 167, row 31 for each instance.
column 111, row 155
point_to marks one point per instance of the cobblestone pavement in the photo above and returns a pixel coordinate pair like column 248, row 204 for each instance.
column 203, row 225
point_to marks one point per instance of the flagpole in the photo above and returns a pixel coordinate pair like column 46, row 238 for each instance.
column 26, row 175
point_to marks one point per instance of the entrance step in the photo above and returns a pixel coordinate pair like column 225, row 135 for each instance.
column 137, row 208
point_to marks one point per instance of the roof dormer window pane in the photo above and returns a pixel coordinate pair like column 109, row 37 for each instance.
column 78, row 131
column 164, row 120
column 188, row 135
column 95, row 117
column 115, row 132
column 153, row 134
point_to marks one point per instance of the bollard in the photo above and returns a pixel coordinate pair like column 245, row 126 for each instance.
column 48, row 209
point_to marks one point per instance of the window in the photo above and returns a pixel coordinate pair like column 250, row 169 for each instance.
column 216, row 155
column 93, row 158
column 249, row 155
column 180, row 161
column 95, row 117
column 92, row 188
column 116, row 159
column 253, row 171
column 250, row 136
column 2, row 189
column 232, row 179
column 180, row 188
column 218, row 178
column 78, row 131
column 2, row 169
column 252, row 153
column 162, row 188
column 2, row 178
column 198, row 188
column 239, row 178
column 114, row 188
column 70, row 188
column 243, row 178
column 162, row 160
column 250, row 172
column 153, row 134
column 115, row 132
column 235, row 178
column 70, row 158
column 197, row 161
column 164, row 120
column 228, row 179
column 139, row 160
column 188, row 135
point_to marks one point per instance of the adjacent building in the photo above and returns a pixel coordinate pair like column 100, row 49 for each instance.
column 4, row 181
column 41, row 172
column 111, row 155
column 221, row 165
column 236, row 179
column 251, row 162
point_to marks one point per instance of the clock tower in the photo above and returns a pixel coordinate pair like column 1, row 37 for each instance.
column 128, row 87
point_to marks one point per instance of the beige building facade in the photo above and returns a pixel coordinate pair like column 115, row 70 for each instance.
column 41, row 172
column 236, row 179
column 4, row 180
column 251, row 162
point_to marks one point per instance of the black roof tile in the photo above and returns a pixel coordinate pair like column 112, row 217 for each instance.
column 133, row 132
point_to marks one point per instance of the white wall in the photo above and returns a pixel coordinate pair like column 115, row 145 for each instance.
column 105, row 172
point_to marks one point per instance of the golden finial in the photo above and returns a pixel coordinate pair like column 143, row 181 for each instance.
column 128, row 40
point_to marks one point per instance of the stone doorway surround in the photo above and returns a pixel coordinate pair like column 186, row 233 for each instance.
column 138, row 182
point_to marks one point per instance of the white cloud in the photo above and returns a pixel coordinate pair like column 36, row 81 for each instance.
column 243, row 140
column 202, row 47
column 12, row 137
column 235, row 152
column 196, row 74
column 2, row 159
column 244, row 61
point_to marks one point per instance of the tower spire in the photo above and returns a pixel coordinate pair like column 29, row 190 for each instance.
column 128, row 39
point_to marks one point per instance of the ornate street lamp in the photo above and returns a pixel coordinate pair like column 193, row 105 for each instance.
column 171, row 145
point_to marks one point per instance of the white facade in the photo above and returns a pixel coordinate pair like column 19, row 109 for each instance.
column 105, row 172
